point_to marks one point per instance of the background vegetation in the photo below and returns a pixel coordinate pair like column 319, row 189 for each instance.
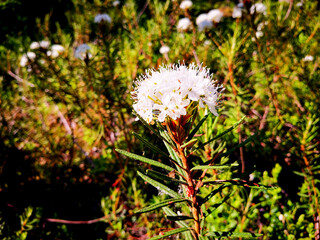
column 61, row 118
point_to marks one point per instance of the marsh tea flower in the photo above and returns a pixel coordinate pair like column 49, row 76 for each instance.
column 203, row 22
column 82, row 51
column 184, row 24
column 102, row 18
column 164, row 49
column 167, row 92
column 186, row 4
column 215, row 15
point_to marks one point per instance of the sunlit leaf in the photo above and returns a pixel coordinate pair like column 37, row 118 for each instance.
column 245, row 235
column 144, row 159
column 161, row 204
column 172, row 232
column 159, row 186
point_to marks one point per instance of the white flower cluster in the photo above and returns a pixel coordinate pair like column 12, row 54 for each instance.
column 184, row 24
column 54, row 51
column 258, row 8
column 102, row 18
column 164, row 49
column 205, row 20
column 169, row 91
column 186, row 4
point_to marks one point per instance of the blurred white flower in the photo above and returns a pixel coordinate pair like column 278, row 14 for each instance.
column 82, row 52
column 169, row 91
column 308, row 58
column 34, row 45
column 102, row 18
column 299, row 4
column 116, row 3
column 42, row 44
column 259, row 34
column 186, row 4
column 184, row 24
column 55, row 51
column 164, row 49
column 203, row 22
column 29, row 56
column 237, row 12
column 207, row 43
column 215, row 15
column 258, row 8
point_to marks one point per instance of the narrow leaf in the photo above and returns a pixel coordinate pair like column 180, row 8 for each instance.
column 161, row 176
column 172, row 232
column 169, row 212
column 216, row 205
column 214, row 192
column 194, row 131
column 150, row 145
column 223, row 133
column 179, row 218
column 159, row 186
column 161, row 204
column 202, row 167
column 245, row 235
column 150, row 128
column 144, row 159
column 239, row 182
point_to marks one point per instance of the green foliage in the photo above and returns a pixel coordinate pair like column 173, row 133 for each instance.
column 61, row 119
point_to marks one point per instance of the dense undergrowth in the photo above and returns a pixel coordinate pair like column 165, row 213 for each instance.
column 63, row 114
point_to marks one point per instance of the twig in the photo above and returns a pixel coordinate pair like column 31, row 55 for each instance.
column 75, row 222
column 19, row 79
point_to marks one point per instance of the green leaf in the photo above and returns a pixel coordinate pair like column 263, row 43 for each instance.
column 169, row 212
column 159, row 186
column 150, row 128
column 179, row 218
column 194, row 131
column 202, row 167
column 216, row 205
column 144, row 159
column 238, row 182
column 150, row 145
column 161, row 176
column 234, row 148
column 245, row 235
column 161, row 204
column 214, row 192
column 172, row 232
column 223, row 133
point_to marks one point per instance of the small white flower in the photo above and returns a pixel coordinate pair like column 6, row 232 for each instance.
column 186, row 4
column 259, row 34
column 29, row 56
column 116, row 3
column 215, row 15
column 102, row 18
column 281, row 217
column 237, row 12
column 258, row 8
column 164, row 49
column 170, row 90
column 207, row 43
column 184, row 24
column 203, row 22
column 44, row 44
column 308, row 58
column 34, row 45
column 299, row 4
column 82, row 52
column 56, row 50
